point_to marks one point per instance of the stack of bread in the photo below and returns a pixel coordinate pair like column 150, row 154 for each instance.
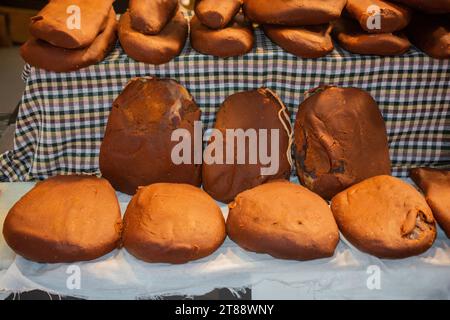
column 68, row 35
column 373, row 27
column 220, row 29
column 153, row 31
column 430, row 26
column 301, row 27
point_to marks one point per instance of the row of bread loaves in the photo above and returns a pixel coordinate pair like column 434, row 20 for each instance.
column 178, row 223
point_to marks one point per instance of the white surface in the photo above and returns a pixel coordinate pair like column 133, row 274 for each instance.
column 344, row 276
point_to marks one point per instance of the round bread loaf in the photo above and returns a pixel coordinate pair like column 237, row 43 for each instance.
column 56, row 22
column 385, row 217
column 172, row 223
column 293, row 12
column 154, row 49
column 151, row 16
column 340, row 139
column 393, row 17
column 431, row 34
column 304, row 42
column 284, row 220
column 429, row 6
column 137, row 146
column 41, row 54
column 235, row 40
column 353, row 38
column 436, row 186
column 216, row 14
column 65, row 219
column 249, row 111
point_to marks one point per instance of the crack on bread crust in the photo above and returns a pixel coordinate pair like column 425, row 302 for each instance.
column 416, row 223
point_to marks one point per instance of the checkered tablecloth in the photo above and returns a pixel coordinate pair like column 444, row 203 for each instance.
column 62, row 117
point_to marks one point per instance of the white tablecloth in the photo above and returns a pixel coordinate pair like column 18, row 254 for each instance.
column 349, row 274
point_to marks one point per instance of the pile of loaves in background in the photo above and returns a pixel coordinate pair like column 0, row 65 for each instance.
column 341, row 154
column 155, row 31
column 62, row 44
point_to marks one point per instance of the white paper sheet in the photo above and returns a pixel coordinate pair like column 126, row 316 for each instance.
column 344, row 276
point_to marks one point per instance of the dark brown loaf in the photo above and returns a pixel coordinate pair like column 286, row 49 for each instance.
column 234, row 40
column 154, row 49
column 50, row 24
column 65, row 219
column 293, row 12
column 393, row 17
column 304, row 42
column 172, row 223
column 436, row 186
column 340, row 139
column 431, row 34
column 385, row 217
column 151, row 16
column 136, row 150
column 429, row 6
column 216, row 14
column 284, row 220
column 257, row 109
column 41, row 54
column 352, row 38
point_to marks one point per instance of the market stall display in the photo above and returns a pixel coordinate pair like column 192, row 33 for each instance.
column 117, row 118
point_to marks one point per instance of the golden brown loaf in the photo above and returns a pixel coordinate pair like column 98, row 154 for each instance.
column 436, row 186
column 172, row 223
column 154, row 49
column 216, row 14
column 293, row 12
column 353, row 38
column 393, row 17
column 65, row 219
column 385, row 217
column 41, row 54
column 234, row 40
column 304, row 42
column 284, row 220
column 51, row 23
column 151, row 16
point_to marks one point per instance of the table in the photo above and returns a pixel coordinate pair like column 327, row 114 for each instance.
column 62, row 117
